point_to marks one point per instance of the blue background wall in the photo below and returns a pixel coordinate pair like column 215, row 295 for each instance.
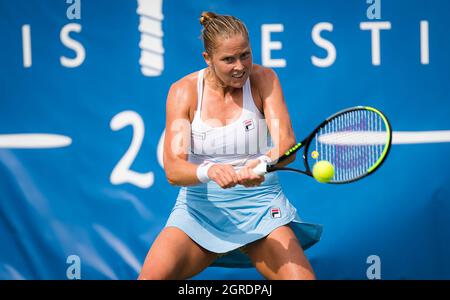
column 61, row 201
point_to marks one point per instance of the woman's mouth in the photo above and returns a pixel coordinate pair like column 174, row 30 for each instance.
column 238, row 75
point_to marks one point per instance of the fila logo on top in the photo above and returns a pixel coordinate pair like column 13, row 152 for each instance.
column 275, row 212
column 249, row 125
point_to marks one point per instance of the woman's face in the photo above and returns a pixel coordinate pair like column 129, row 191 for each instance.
column 231, row 61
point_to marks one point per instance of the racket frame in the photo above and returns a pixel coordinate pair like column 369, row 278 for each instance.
column 305, row 144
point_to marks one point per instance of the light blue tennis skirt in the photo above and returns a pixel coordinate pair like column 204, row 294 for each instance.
column 223, row 220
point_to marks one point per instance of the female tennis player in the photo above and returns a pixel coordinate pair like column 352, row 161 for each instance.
column 226, row 215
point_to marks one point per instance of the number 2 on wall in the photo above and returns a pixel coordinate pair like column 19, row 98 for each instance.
column 122, row 172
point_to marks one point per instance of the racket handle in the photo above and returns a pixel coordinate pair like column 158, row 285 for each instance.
column 260, row 169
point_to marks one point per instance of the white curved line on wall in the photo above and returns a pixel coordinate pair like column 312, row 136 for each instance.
column 398, row 137
column 421, row 137
column 43, row 140
column 33, row 141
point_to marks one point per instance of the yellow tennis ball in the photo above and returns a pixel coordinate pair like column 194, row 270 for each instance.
column 314, row 154
column 323, row 171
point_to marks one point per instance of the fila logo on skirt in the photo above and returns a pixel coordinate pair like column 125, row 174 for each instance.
column 275, row 212
column 248, row 124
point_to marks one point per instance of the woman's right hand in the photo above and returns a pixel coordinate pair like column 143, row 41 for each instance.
column 224, row 175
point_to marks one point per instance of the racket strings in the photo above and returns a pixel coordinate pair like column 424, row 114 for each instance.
column 353, row 142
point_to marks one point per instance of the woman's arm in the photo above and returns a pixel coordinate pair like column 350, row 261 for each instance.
column 278, row 123
column 177, row 141
column 177, row 136
column 276, row 114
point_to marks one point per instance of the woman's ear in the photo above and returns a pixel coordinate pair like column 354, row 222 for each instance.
column 207, row 58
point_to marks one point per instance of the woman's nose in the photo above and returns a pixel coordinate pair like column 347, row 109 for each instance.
column 238, row 66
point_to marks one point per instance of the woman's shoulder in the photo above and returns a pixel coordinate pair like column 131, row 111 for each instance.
column 183, row 94
column 185, row 88
column 262, row 75
column 262, row 79
column 188, row 82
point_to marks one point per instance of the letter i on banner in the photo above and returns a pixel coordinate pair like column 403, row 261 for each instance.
column 424, row 43
column 26, row 45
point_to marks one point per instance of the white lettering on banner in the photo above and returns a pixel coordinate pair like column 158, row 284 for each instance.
column 424, row 44
column 122, row 172
column 72, row 44
column 152, row 62
column 267, row 45
column 375, row 28
column 26, row 46
column 325, row 44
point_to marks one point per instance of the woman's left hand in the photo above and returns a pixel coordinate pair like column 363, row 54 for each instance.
column 247, row 177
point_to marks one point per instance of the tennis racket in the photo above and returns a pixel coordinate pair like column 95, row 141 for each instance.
column 356, row 141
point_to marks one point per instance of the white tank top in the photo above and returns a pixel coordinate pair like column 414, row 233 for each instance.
column 235, row 143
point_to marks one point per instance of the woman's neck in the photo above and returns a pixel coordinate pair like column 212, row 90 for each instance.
column 216, row 84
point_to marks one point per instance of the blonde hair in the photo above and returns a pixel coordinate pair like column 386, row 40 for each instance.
column 223, row 26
